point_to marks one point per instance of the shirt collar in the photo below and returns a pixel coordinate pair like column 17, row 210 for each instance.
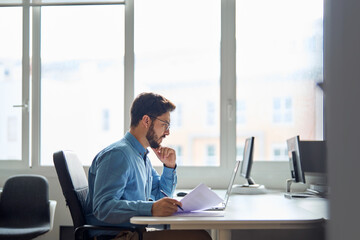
column 136, row 144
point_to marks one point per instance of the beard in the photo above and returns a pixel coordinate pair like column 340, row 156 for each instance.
column 152, row 137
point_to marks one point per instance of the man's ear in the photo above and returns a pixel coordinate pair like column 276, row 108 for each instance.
column 146, row 121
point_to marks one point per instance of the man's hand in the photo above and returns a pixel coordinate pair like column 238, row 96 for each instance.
column 166, row 155
column 165, row 207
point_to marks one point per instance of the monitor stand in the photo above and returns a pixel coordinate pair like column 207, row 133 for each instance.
column 250, row 188
column 288, row 185
column 307, row 193
column 321, row 188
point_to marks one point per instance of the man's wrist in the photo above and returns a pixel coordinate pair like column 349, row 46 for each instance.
column 174, row 167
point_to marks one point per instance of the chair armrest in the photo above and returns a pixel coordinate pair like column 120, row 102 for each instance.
column 52, row 206
column 79, row 231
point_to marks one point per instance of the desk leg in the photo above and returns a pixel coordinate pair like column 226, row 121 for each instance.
column 224, row 234
column 214, row 234
column 221, row 234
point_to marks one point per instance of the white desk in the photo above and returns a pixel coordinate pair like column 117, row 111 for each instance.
column 267, row 211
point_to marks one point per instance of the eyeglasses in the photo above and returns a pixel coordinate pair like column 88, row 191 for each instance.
column 167, row 124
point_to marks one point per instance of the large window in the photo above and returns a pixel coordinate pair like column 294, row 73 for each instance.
column 82, row 78
column 279, row 50
column 62, row 64
column 177, row 54
column 11, row 84
column 234, row 68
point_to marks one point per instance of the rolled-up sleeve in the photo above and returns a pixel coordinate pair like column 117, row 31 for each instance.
column 166, row 182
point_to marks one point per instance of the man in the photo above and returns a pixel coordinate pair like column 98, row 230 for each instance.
column 122, row 181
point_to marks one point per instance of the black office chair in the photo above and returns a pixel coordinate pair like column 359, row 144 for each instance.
column 24, row 207
column 74, row 185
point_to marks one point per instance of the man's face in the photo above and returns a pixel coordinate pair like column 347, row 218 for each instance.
column 158, row 130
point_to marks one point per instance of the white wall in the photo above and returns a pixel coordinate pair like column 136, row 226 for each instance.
column 342, row 87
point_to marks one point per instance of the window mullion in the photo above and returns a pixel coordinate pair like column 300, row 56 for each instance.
column 128, row 62
column 35, row 87
column 228, row 84
column 25, row 86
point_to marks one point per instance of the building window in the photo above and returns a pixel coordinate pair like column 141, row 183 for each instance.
column 239, row 152
column 210, row 155
column 176, row 117
column 210, row 114
column 280, row 152
column 282, row 110
column 179, row 155
column 240, row 112
column 106, row 120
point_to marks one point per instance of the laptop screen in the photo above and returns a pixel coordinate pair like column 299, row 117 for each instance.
column 236, row 168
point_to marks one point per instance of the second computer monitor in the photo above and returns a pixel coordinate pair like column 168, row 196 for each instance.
column 245, row 171
column 246, row 165
column 296, row 171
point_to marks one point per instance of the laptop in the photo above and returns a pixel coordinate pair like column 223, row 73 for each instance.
column 223, row 204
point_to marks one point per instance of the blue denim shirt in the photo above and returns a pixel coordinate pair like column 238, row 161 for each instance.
column 122, row 183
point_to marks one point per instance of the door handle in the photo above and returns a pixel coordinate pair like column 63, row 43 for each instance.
column 24, row 106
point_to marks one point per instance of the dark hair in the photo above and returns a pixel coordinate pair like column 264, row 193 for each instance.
column 149, row 104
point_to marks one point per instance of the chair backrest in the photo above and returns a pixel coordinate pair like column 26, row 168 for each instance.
column 73, row 183
column 25, row 202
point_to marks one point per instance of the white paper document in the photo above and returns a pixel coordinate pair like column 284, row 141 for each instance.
column 200, row 198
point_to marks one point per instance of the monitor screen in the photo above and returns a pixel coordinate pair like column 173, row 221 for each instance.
column 246, row 165
column 297, row 173
column 313, row 156
column 245, row 171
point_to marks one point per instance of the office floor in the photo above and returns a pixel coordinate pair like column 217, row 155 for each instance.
column 291, row 234
column 298, row 234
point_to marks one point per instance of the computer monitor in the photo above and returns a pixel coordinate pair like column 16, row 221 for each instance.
column 313, row 161
column 250, row 187
column 246, row 164
column 305, row 157
column 313, row 157
column 296, row 171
